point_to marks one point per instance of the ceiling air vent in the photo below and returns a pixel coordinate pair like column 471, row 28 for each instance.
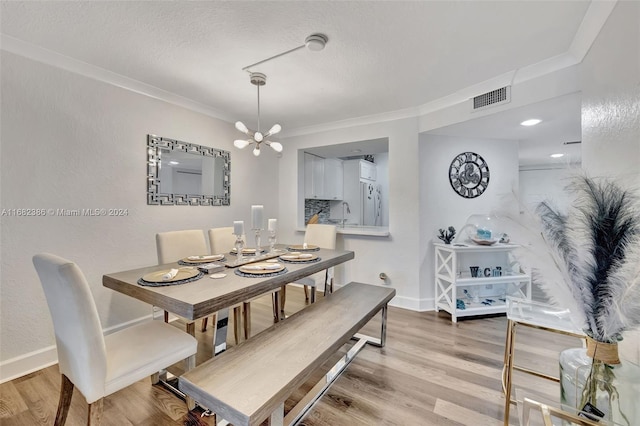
column 495, row 97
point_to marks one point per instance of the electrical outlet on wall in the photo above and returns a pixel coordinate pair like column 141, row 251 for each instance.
column 489, row 286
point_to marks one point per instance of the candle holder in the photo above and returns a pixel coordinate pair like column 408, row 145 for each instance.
column 257, row 231
column 272, row 241
column 239, row 247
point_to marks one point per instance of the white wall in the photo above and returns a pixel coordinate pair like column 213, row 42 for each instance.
column 396, row 255
column 441, row 207
column 73, row 142
column 610, row 80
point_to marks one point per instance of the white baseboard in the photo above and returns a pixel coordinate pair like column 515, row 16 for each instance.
column 45, row 357
column 28, row 363
column 410, row 303
column 413, row 304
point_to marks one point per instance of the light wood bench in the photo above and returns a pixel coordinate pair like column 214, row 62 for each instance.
column 251, row 381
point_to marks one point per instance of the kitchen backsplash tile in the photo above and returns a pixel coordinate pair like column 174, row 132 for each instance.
column 312, row 207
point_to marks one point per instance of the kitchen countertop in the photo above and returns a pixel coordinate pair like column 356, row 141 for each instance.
column 371, row 231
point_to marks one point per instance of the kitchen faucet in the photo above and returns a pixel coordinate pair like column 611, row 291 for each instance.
column 344, row 203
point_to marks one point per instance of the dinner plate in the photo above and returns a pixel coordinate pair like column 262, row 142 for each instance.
column 484, row 242
column 250, row 268
column 301, row 247
column 183, row 274
column 301, row 257
column 204, row 258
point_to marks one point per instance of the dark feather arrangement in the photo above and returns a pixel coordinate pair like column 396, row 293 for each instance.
column 587, row 260
column 597, row 245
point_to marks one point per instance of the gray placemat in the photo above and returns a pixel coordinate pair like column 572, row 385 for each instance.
column 317, row 259
column 164, row 283
column 239, row 273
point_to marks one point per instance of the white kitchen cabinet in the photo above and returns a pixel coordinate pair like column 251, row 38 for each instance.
column 313, row 176
column 333, row 179
column 368, row 170
column 323, row 178
column 460, row 294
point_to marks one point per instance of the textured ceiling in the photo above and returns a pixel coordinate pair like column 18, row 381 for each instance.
column 381, row 56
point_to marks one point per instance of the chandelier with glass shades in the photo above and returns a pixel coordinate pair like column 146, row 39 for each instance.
column 314, row 42
column 256, row 137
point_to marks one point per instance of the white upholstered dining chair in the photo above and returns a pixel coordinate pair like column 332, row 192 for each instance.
column 175, row 245
column 95, row 364
column 323, row 236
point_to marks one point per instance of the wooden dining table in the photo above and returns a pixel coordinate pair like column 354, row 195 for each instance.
column 206, row 296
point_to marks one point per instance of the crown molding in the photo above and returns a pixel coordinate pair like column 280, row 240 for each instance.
column 591, row 25
column 49, row 57
column 353, row 122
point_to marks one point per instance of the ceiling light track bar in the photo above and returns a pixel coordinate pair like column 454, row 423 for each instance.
column 273, row 57
column 314, row 42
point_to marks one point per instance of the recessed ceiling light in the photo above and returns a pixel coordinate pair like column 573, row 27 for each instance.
column 173, row 163
column 355, row 151
column 531, row 122
column 558, row 155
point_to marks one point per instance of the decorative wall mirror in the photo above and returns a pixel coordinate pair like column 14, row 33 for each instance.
column 182, row 173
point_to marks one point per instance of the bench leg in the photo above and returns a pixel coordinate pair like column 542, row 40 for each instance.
column 277, row 417
column 307, row 402
column 383, row 332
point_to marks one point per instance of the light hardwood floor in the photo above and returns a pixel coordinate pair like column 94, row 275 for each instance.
column 431, row 372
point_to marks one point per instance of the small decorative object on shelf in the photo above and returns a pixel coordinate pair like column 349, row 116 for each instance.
column 593, row 268
column 447, row 236
column 474, row 271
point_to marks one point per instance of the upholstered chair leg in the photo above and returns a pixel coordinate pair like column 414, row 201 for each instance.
column 306, row 293
column 283, row 297
column 313, row 294
column 191, row 328
column 330, row 286
column 205, row 321
column 155, row 378
column 95, row 412
column 237, row 323
column 66, row 392
column 246, row 312
column 166, row 316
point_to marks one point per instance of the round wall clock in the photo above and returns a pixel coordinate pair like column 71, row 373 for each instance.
column 469, row 174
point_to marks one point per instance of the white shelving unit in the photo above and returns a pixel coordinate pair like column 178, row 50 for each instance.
column 481, row 295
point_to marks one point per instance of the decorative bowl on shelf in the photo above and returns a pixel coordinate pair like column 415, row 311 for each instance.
column 483, row 242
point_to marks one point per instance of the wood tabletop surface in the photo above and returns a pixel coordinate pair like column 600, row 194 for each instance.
column 205, row 296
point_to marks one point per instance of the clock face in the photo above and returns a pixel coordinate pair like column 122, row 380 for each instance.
column 469, row 174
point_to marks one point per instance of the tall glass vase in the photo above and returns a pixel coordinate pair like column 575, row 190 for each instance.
column 607, row 391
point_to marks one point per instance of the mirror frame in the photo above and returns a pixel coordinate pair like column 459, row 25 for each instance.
column 155, row 146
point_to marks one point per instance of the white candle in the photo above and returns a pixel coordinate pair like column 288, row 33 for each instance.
column 238, row 227
column 273, row 224
column 256, row 217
